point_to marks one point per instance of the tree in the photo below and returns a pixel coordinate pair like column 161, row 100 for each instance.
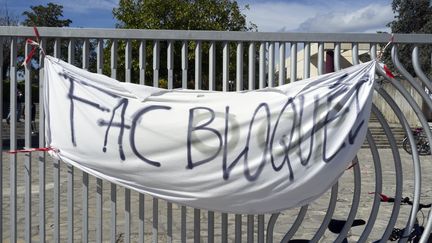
column 221, row 15
column 412, row 17
column 224, row 15
column 48, row 16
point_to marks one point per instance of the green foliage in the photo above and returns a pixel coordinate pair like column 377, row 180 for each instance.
column 181, row 15
column 220, row 15
column 412, row 17
column 45, row 16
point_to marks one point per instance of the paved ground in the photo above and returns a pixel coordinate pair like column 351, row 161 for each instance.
column 311, row 222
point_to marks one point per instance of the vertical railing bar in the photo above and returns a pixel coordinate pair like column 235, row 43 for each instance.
column 212, row 66
column 28, row 160
column 239, row 66
column 42, row 155
column 271, row 66
column 71, row 51
column 113, row 198
column 57, row 46
column 224, row 228
column 13, row 145
column 155, row 220
column 355, row 53
column 170, row 64
column 141, row 211
column 128, row 61
column 56, row 173
column 184, row 61
column 337, row 55
column 282, row 73
column 183, row 224
column 70, row 171
column 85, row 183
column 250, row 228
column 225, row 66
column 293, row 67
column 262, row 68
column 127, row 214
column 70, row 203
column 238, row 228
column 85, row 176
column 320, row 58
column 27, row 114
column 197, row 225
column 113, row 194
column 210, row 227
column 156, row 51
column 373, row 51
column 99, row 210
column 169, row 222
column 1, row 140
column 261, row 233
column 306, row 64
column 99, row 56
column 113, row 61
column 85, row 56
column 142, row 61
column 99, row 182
column 198, row 65
column 251, row 65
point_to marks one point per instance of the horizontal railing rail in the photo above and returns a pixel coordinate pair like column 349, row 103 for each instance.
column 139, row 34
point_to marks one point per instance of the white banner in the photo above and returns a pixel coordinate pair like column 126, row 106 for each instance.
column 248, row 152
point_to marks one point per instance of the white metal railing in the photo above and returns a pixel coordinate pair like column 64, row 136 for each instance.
column 92, row 206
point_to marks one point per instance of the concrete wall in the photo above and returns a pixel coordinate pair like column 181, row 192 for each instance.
column 345, row 58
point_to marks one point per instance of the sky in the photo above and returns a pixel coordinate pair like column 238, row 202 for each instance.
column 268, row 15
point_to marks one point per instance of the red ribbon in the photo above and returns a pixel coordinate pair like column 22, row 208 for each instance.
column 388, row 72
column 31, row 150
column 29, row 56
column 36, row 34
column 35, row 45
column 384, row 198
column 351, row 166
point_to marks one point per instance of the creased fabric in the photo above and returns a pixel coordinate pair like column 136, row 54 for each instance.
column 248, row 152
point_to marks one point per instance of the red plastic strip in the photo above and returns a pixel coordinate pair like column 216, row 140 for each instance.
column 36, row 33
column 31, row 150
column 388, row 72
column 29, row 56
